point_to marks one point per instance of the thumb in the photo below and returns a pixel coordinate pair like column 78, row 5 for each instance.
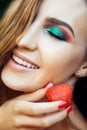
column 35, row 96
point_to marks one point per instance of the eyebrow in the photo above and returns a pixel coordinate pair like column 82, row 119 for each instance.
column 59, row 22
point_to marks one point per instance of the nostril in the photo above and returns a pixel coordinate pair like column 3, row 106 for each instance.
column 24, row 42
column 21, row 41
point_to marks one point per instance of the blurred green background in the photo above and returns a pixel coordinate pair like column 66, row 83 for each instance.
column 3, row 6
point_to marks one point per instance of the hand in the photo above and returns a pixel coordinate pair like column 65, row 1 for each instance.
column 22, row 114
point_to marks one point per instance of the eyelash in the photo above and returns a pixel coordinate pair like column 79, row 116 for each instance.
column 56, row 33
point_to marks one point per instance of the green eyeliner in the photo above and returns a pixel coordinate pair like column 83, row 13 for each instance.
column 56, row 32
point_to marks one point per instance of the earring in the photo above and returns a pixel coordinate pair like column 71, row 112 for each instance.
column 78, row 74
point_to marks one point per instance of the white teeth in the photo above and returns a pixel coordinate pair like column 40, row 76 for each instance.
column 28, row 65
column 32, row 66
column 24, row 63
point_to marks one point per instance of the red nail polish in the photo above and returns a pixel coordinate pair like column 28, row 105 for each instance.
column 63, row 105
column 48, row 85
column 69, row 109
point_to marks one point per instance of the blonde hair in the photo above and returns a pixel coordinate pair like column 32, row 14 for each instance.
column 17, row 19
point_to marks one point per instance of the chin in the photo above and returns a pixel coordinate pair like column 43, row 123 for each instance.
column 10, row 83
column 15, row 85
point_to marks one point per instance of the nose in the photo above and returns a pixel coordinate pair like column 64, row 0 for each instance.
column 29, row 39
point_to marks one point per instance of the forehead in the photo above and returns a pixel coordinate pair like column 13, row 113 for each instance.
column 62, row 9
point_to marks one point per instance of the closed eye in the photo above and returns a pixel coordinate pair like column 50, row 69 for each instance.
column 56, row 32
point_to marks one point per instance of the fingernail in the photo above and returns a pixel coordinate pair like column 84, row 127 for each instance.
column 63, row 105
column 48, row 85
column 69, row 109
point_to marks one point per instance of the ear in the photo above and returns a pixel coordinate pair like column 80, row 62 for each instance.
column 82, row 72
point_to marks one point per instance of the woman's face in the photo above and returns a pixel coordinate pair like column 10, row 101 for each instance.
column 52, row 49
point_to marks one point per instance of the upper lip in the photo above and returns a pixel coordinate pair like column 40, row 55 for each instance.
column 23, row 57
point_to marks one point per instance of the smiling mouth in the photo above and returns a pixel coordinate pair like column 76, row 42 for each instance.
column 24, row 63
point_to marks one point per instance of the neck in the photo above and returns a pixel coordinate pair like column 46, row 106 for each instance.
column 76, row 119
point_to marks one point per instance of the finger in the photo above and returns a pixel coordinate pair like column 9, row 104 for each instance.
column 43, row 121
column 51, row 119
column 30, row 128
column 35, row 96
column 34, row 109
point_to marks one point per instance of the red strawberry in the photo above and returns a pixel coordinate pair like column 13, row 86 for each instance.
column 60, row 92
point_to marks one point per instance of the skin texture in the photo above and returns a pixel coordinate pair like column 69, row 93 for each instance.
column 57, row 59
column 45, row 50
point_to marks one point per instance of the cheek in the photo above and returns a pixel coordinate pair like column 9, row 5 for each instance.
column 60, row 64
column 57, row 71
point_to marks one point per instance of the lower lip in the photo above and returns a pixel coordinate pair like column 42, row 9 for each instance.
column 18, row 67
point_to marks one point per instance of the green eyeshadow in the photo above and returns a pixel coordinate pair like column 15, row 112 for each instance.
column 56, row 32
